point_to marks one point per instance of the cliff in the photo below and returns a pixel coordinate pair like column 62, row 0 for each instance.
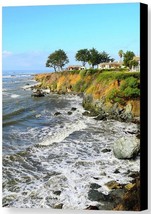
column 112, row 94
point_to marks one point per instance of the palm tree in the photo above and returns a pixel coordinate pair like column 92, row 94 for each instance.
column 121, row 53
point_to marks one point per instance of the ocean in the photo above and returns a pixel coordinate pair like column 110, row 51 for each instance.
column 49, row 160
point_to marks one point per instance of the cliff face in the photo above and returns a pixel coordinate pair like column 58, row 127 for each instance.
column 110, row 94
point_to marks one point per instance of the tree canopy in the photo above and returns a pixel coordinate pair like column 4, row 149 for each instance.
column 128, row 58
column 121, row 53
column 83, row 56
column 92, row 57
column 57, row 60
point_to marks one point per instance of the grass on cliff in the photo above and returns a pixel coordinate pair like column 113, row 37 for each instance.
column 115, row 86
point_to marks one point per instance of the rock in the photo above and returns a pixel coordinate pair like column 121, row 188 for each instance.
column 134, row 175
column 106, row 150
column 69, row 112
column 95, row 195
column 126, row 147
column 38, row 93
column 100, row 117
column 86, row 113
column 129, row 186
column 90, row 114
column 57, row 113
column 113, row 185
column 57, row 192
column 94, row 186
column 73, row 109
column 58, row 206
column 116, row 171
column 92, row 208
column 130, row 201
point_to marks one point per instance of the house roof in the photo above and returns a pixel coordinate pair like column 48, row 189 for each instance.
column 73, row 66
column 137, row 58
column 111, row 63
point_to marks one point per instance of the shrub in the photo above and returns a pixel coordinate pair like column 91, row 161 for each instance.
column 77, row 87
column 131, row 92
column 82, row 73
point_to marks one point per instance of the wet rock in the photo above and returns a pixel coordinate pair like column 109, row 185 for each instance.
column 73, row 109
column 92, row 208
column 94, row 186
column 58, row 206
column 130, row 200
column 57, row 113
column 129, row 186
column 101, row 117
column 90, row 113
column 113, row 185
column 116, row 171
column 38, row 93
column 126, row 147
column 134, row 174
column 57, row 192
column 69, row 112
column 95, row 195
column 96, row 178
column 106, row 150
column 86, row 113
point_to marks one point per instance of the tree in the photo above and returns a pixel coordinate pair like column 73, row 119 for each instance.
column 133, row 63
column 83, row 56
column 128, row 57
column 121, row 53
column 94, row 57
column 104, row 57
column 52, row 61
column 57, row 59
column 62, row 59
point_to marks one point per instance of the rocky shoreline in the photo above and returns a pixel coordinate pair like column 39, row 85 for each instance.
column 104, row 111
column 121, row 197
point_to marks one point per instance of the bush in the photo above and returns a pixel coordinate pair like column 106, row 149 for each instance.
column 77, row 87
column 131, row 92
column 92, row 71
column 82, row 73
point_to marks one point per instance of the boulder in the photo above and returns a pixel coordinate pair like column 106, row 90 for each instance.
column 106, row 150
column 57, row 113
column 69, row 112
column 101, row 117
column 73, row 109
column 38, row 93
column 126, row 147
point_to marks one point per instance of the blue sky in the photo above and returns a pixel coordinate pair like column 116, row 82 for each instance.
column 30, row 34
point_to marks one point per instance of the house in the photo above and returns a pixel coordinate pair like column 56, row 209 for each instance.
column 136, row 68
column 110, row 65
column 75, row 67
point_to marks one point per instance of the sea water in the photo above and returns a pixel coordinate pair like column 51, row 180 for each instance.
column 50, row 160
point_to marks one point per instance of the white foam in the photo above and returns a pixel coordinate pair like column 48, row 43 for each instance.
column 15, row 96
column 60, row 134
column 28, row 87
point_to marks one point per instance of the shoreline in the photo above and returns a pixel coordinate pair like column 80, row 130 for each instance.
column 126, row 196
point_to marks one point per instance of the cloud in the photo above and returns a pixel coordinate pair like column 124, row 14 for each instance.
column 7, row 53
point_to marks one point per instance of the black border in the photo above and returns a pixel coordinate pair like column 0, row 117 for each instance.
column 144, row 106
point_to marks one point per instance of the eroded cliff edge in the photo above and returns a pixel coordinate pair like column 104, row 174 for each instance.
column 106, row 94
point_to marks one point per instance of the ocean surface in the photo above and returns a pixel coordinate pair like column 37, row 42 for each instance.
column 51, row 160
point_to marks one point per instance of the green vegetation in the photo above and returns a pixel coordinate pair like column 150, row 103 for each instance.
column 92, row 56
column 128, row 58
column 83, row 55
column 128, row 89
column 57, row 59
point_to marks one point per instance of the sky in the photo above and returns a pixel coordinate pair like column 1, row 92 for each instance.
column 31, row 33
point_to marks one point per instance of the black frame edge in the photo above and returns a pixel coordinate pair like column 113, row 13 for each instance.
column 144, row 106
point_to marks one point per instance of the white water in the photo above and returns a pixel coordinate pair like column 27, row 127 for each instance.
column 64, row 155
